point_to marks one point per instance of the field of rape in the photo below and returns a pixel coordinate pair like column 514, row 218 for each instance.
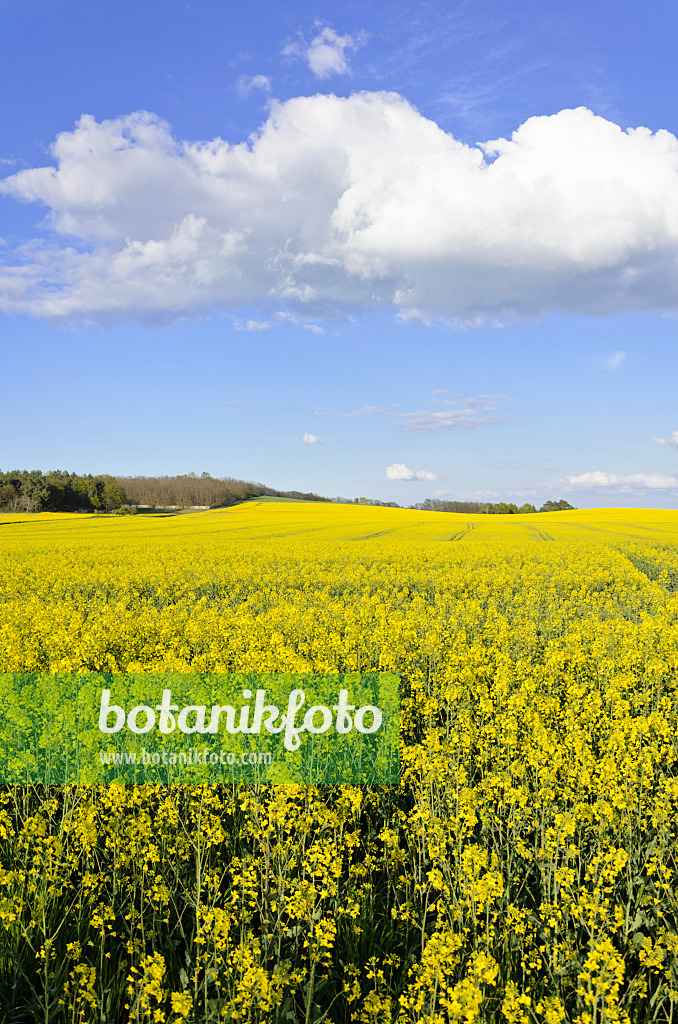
column 523, row 871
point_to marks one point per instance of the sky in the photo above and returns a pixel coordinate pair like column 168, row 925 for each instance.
column 393, row 250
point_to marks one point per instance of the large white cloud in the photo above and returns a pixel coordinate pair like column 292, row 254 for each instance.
column 338, row 204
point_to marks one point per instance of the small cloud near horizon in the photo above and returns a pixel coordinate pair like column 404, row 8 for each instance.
column 310, row 439
column 399, row 471
column 625, row 483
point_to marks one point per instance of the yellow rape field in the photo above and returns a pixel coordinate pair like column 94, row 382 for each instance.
column 523, row 871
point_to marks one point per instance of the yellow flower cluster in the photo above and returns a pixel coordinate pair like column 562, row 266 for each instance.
column 524, row 870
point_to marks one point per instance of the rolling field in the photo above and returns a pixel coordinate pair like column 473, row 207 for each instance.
column 524, row 870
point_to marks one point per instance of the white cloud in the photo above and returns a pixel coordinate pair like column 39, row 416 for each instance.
column 451, row 419
column 614, row 360
column 630, row 482
column 251, row 325
column 672, row 441
column 247, row 84
column 365, row 410
column 340, row 204
column 399, row 471
column 233, row 401
column 414, row 316
column 326, row 54
column 514, row 494
column 465, row 415
column 310, row 439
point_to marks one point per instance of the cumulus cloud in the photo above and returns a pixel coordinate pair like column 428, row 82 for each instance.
column 672, row 441
column 326, row 54
column 399, row 471
column 342, row 204
column 247, row 84
column 310, row 439
column 630, row 482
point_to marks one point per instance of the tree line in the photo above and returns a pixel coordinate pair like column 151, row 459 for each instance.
column 61, row 491
column 501, row 508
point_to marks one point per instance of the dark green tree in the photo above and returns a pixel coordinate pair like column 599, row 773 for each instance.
column 556, row 506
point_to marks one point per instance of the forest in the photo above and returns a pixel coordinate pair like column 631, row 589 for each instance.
column 60, row 491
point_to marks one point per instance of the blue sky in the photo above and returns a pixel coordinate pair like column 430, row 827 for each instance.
column 393, row 250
